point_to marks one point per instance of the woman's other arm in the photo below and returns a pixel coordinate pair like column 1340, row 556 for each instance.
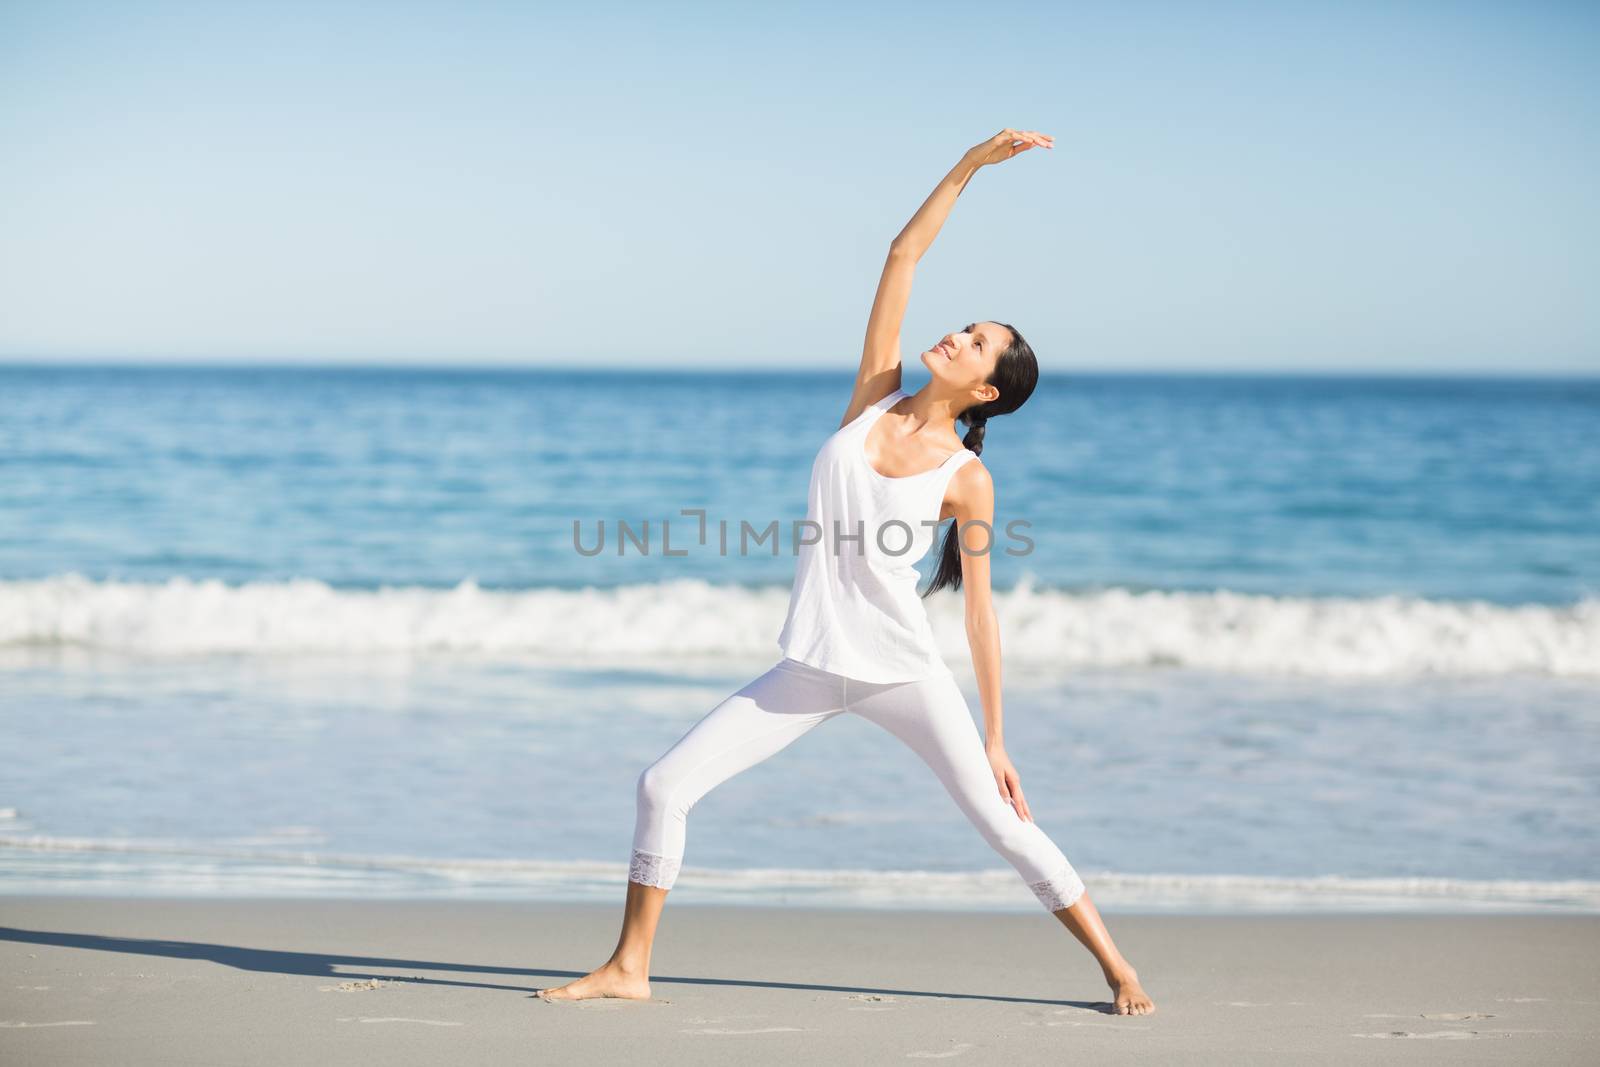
column 972, row 500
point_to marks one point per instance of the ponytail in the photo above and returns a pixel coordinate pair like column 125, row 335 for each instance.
column 1015, row 374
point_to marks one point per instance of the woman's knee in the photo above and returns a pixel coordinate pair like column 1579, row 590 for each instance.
column 653, row 792
column 1005, row 831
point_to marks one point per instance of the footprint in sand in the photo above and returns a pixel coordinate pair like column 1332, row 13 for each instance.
column 958, row 1050
column 878, row 1002
column 355, row 987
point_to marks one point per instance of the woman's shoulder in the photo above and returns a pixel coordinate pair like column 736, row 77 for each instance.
column 887, row 400
column 861, row 406
column 970, row 473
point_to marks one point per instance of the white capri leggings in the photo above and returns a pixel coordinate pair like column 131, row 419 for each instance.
column 930, row 715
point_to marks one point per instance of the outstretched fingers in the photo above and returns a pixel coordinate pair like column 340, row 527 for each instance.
column 1022, row 140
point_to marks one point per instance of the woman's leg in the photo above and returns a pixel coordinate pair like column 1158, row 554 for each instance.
column 932, row 717
column 744, row 729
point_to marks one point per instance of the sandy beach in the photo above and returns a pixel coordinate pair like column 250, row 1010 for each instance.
column 94, row 980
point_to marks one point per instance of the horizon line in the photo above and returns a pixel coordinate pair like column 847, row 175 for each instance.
column 756, row 369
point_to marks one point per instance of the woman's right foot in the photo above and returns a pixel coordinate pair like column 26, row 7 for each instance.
column 1127, row 995
column 608, row 981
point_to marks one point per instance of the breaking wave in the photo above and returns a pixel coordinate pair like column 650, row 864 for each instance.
column 1220, row 630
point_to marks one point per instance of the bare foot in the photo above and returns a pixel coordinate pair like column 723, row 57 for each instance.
column 609, row 980
column 1128, row 996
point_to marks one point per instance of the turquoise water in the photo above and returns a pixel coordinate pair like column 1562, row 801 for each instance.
column 360, row 478
column 1299, row 642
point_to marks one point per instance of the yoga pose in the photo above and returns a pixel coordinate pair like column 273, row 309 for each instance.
column 857, row 637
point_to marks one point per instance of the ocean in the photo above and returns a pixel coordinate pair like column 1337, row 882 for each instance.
column 1271, row 643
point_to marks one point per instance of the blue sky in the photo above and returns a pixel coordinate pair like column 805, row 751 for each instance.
column 1365, row 186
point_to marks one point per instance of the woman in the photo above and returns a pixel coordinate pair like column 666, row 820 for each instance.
column 857, row 637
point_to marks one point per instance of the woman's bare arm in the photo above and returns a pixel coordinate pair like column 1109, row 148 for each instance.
column 879, row 374
column 972, row 499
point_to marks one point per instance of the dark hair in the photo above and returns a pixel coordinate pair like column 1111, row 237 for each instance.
column 1015, row 374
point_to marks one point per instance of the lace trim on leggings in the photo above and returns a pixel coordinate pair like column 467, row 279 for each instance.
column 647, row 868
column 1059, row 892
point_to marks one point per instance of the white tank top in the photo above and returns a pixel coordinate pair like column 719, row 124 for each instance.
column 854, row 608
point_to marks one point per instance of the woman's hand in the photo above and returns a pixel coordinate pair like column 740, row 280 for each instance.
column 1010, row 783
column 880, row 362
column 1007, row 143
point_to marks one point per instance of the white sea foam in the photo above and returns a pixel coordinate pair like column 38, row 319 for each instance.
column 170, row 866
column 1220, row 630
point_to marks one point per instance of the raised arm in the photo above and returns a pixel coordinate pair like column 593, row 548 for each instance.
column 879, row 374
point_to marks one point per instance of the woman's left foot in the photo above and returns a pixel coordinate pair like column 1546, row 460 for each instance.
column 1128, row 996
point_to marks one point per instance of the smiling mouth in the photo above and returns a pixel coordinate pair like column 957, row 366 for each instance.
column 944, row 348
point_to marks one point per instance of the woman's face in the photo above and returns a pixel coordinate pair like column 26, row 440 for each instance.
column 966, row 359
